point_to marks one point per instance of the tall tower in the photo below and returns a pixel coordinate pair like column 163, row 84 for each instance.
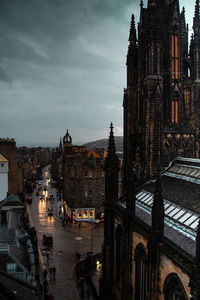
column 111, row 196
column 161, row 110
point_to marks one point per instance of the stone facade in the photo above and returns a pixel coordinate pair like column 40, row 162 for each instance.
column 83, row 176
column 161, row 100
column 15, row 175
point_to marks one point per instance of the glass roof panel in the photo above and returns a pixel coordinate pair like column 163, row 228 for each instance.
column 166, row 205
column 194, row 224
column 147, row 199
column 144, row 197
column 190, row 220
column 185, row 217
column 141, row 195
column 193, row 172
column 179, row 214
column 173, row 212
column 171, row 207
column 150, row 202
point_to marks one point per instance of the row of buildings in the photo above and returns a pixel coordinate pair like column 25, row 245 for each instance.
column 81, row 176
column 151, row 246
column 19, row 259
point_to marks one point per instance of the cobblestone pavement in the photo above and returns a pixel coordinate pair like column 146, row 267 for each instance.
column 67, row 241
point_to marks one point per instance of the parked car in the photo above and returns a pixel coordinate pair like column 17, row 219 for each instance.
column 50, row 212
column 29, row 201
column 47, row 239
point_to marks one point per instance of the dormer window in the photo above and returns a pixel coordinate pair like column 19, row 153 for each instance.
column 175, row 56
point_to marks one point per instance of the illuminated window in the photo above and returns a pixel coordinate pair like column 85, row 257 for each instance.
column 85, row 214
column 187, row 100
column 91, row 213
column 175, row 58
column 79, row 214
column 90, row 173
column 175, row 111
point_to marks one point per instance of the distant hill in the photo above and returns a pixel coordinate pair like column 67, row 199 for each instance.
column 104, row 143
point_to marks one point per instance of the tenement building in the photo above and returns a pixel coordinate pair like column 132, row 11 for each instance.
column 83, row 181
column 161, row 100
column 151, row 248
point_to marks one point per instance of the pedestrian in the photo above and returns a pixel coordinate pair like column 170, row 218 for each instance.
column 45, row 273
column 50, row 272
column 47, row 257
column 41, row 289
column 79, row 226
column 54, row 272
column 63, row 222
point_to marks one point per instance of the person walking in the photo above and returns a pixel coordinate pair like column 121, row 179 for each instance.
column 50, row 272
column 47, row 257
column 45, row 273
column 54, row 272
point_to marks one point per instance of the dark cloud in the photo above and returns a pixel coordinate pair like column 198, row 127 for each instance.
column 64, row 61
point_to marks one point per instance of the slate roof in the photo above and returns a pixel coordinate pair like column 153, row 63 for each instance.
column 21, row 290
column 181, row 194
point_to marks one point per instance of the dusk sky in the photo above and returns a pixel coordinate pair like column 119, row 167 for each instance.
column 63, row 65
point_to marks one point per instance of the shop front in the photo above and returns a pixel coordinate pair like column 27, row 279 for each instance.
column 83, row 214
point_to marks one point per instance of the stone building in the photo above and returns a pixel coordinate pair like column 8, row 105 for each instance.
column 15, row 175
column 83, row 180
column 151, row 246
column 4, row 167
column 152, row 233
column 161, row 100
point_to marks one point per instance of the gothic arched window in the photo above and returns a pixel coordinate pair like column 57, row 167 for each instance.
column 175, row 56
column 141, row 272
column 173, row 288
column 175, row 110
column 187, row 101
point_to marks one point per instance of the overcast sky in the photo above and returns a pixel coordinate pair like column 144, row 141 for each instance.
column 62, row 65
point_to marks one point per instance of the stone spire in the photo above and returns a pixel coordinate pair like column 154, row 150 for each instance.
column 67, row 139
column 196, row 50
column 111, row 195
column 132, row 55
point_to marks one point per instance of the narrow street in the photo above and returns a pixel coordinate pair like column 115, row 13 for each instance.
column 66, row 240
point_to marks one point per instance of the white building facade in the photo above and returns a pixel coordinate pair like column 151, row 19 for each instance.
column 4, row 169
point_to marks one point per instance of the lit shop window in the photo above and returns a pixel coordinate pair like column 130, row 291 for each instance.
column 91, row 213
column 85, row 214
column 79, row 214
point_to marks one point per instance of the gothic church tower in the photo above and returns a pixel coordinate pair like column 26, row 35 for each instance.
column 161, row 100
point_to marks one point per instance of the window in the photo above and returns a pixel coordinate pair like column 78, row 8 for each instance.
column 187, row 101
column 102, row 193
column 175, row 57
column 175, row 110
column 85, row 214
column 91, row 213
column 2, row 165
column 79, row 214
column 86, row 174
column 86, row 193
column 90, row 193
column 11, row 267
column 140, row 273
